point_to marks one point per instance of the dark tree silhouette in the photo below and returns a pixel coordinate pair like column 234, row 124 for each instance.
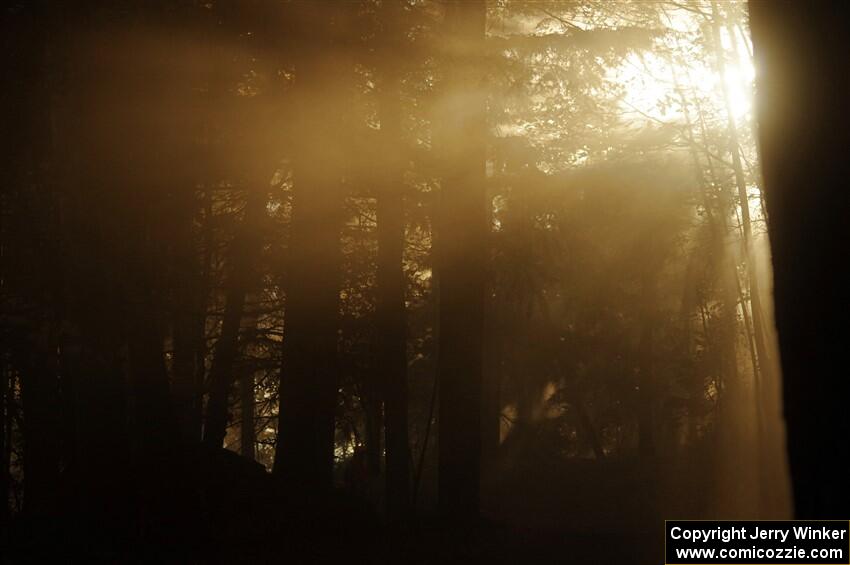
column 461, row 247
column 802, row 92
column 308, row 383
column 391, row 321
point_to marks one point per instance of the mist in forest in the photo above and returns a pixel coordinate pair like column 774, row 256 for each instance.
column 368, row 280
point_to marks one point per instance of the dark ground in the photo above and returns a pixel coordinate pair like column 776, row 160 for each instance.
column 560, row 511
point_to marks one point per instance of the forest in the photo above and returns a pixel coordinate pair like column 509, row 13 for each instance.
column 417, row 281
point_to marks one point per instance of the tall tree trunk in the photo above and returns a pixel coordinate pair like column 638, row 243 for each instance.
column 393, row 348
column 804, row 131
column 390, row 309
column 462, row 237
column 185, row 389
column 188, row 308
column 304, row 455
column 308, row 382
column 242, row 258
column 151, row 417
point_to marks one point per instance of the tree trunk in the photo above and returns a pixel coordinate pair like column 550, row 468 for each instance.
column 188, row 309
column 462, row 235
column 151, row 417
column 242, row 259
column 308, row 382
column 393, row 348
column 390, row 309
column 804, row 131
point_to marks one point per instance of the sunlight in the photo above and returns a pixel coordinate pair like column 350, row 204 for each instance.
column 652, row 85
column 739, row 80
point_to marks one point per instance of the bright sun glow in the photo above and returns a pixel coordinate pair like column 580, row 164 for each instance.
column 655, row 86
column 739, row 80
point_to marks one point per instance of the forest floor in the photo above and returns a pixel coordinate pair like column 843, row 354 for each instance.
column 578, row 511
column 575, row 511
